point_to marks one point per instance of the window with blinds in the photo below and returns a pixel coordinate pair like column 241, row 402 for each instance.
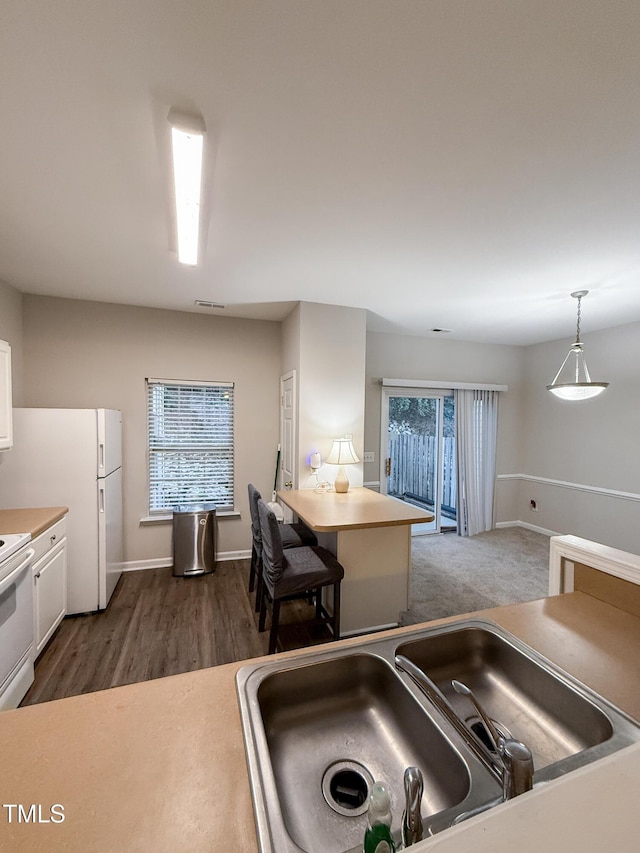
column 191, row 453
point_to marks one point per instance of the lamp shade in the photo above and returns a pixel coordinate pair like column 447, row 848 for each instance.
column 342, row 452
column 579, row 385
column 578, row 390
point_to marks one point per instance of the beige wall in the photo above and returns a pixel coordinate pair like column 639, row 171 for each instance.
column 75, row 353
column 548, row 450
column 291, row 342
column 403, row 357
column 11, row 331
column 325, row 345
column 88, row 354
column 332, row 379
column 593, row 443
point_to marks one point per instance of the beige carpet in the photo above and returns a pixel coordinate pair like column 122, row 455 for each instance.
column 453, row 574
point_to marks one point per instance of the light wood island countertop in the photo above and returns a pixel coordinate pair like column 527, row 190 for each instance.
column 357, row 509
column 160, row 766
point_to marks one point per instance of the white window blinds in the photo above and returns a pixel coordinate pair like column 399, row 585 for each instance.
column 191, row 452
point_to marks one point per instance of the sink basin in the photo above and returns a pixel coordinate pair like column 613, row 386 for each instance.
column 526, row 696
column 321, row 727
column 324, row 730
column 333, row 729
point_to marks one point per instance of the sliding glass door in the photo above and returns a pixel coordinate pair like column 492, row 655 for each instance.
column 418, row 449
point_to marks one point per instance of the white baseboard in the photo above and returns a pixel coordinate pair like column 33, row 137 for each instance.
column 142, row 565
column 223, row 556
column 167, row 562
column 528, row 526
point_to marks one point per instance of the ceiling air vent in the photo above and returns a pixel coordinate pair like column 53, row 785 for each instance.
column 202, row 303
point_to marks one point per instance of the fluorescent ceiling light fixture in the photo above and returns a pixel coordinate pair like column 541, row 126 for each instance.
column 187, row 138
column 581, row 388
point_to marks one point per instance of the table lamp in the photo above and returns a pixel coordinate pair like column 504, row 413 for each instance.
column 342, row 453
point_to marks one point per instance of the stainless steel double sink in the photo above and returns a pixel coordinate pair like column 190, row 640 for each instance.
column 320, row 728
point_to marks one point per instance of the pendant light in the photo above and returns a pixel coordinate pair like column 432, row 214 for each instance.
column 581, row 388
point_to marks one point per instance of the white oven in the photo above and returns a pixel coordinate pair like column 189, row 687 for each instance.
column 16, row 619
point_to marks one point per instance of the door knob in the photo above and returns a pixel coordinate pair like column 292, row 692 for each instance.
column 288, row 484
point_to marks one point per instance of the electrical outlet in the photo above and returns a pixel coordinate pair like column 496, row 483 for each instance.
column 533, row 505
column 369, row 456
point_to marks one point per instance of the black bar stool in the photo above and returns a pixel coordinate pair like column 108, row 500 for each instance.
column 292, row 535
column 291, row 572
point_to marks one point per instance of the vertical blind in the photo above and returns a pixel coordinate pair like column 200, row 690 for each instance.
column 476, row 443
column 191, row 448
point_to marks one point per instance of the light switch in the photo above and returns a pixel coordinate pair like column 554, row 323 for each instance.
column 369, row 456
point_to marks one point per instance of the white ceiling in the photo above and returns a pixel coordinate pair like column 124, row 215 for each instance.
column 462, row 164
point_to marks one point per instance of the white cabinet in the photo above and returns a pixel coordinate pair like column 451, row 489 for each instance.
column 49, row 583
column 6, row 403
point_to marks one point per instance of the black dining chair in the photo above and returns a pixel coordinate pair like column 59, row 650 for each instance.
column 292, row 535
column 291, row 572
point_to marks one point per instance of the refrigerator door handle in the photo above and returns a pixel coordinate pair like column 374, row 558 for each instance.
column 101, row 499
column 101, row 456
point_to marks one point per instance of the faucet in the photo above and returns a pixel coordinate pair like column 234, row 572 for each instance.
column 513, row 764
column 515, row 756
column 412, row 830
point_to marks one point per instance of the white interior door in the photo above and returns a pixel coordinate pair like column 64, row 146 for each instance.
column 288, row 475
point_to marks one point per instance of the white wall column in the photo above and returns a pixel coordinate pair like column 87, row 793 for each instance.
column 326, row 345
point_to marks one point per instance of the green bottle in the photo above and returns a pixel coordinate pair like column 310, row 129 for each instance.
column 378, row 838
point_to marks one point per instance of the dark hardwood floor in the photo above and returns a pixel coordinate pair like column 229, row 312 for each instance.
column 158, row 625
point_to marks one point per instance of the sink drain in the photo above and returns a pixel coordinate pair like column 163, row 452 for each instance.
column 479, row 729
column 346, row 786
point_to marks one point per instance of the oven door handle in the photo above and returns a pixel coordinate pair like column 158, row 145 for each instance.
column 6, row 583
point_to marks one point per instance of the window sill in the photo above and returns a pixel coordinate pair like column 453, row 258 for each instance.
column 168, row 518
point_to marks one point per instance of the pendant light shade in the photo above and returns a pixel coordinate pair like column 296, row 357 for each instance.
column 578, row 385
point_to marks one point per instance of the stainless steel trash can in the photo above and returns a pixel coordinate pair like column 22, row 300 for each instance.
column 194, row 539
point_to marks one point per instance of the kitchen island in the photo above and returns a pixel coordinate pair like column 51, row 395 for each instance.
column 370, row 535
column 160, row 766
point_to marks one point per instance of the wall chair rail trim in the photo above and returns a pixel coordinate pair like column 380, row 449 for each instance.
column 577, row 487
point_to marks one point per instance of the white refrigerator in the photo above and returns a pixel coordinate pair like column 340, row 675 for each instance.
column 73, row 458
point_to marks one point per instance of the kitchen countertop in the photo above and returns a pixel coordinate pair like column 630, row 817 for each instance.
column 160, row 765
column 357, row 509
column 31, row 520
